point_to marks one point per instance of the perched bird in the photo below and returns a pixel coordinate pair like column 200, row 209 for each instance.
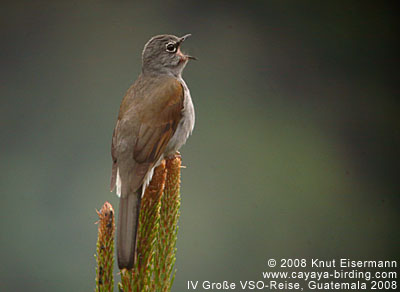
column 155, row 118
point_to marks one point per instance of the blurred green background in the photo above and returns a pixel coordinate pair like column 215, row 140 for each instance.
column 295, row 151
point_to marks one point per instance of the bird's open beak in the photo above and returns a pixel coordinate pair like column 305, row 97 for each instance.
column 181, row 40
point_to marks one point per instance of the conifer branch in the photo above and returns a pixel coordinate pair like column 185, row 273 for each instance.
column 168, row 227
column 105, row 249
column 156, row 239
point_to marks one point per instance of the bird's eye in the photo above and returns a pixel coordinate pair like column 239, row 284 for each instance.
column 171, row 48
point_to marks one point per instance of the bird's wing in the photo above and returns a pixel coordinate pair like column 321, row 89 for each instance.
column 158, row 114
column 128, row 99
column 158, row 124
column 157, row 128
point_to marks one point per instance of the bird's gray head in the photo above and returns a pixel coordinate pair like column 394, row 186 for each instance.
column 162, row 55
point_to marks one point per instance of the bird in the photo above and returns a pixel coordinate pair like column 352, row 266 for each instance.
column 155, row 119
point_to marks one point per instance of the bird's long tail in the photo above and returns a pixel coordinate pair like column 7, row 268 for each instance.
column 129, row 208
